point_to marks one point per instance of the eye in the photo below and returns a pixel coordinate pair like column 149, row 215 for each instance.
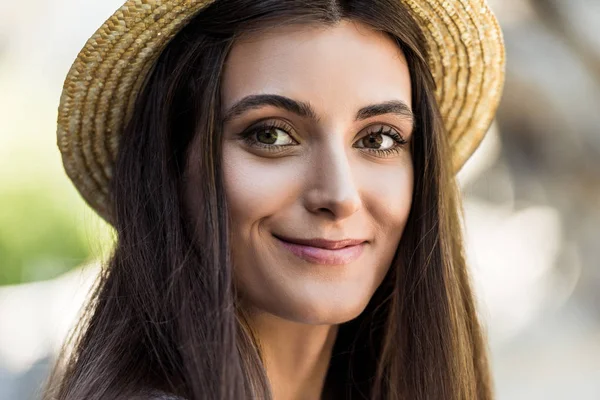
column 271, row 136
column 383, row 141
column 274, row 136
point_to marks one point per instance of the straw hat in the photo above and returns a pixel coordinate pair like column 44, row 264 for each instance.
column 466, row 59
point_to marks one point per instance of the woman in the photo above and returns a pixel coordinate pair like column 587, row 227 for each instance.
column 280, row 176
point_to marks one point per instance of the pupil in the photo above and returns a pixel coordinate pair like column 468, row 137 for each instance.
column 374, row 139
column 267, row 136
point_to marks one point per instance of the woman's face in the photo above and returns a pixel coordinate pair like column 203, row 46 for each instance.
column 318, row 157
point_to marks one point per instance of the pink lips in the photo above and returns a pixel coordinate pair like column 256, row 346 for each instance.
column 328, row 252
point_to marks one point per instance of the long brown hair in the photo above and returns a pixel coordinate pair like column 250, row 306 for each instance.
column 164, row 313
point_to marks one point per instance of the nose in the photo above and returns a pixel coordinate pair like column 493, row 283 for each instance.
column 332, row 187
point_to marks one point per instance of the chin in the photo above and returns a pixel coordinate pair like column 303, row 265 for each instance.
column 319, row 312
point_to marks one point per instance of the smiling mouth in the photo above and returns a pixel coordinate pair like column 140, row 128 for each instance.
column 325, row 256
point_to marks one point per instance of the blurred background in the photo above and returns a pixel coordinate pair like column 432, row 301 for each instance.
column 532, row 199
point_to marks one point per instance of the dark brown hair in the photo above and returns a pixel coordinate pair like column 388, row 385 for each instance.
column 164, row 314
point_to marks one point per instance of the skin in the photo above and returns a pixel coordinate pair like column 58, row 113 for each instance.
column 321, row 185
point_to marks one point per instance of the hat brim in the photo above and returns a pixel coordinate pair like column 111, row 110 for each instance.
column 466, row 57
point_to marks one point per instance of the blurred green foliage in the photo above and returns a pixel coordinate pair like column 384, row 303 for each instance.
column 46, row 228
column 36, row 238
column 42, row 235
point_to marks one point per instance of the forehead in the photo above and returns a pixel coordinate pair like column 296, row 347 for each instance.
column 345, row 65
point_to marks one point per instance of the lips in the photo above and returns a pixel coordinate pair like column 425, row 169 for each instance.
column 323, row 251
column 322, row 243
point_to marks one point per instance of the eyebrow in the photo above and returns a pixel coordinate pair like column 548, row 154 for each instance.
column 304, row 109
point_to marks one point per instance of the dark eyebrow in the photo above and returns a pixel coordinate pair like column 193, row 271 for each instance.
column 397, row 107
column 304, row 109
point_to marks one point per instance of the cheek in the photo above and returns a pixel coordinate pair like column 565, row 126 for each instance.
column 389, row 201
column 388, row 196
column 256, row 187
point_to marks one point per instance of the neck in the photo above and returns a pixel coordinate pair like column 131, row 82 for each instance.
column 296, row 355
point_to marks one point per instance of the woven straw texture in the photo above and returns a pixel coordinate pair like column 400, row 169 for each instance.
column 466, row 59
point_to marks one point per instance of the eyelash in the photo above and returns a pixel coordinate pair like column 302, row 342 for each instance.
column 248, row 138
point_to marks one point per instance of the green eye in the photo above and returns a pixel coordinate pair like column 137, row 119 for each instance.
column 272, row 135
